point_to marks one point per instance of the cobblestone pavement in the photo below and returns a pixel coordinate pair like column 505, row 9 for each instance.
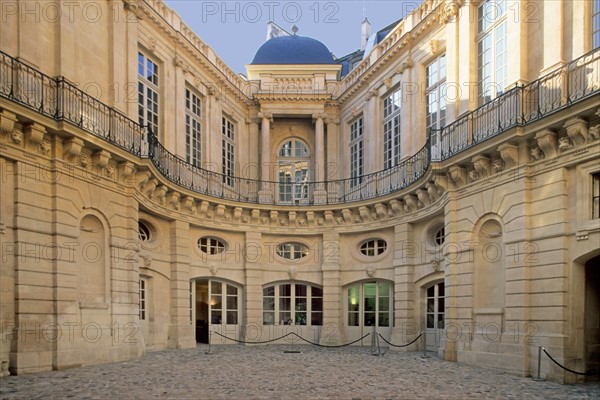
column 259, row 372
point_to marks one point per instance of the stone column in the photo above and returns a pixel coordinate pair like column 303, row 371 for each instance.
column 181, row 331
column 333, row 327
column 333, row 161
column 320, row 194
column 252, row 316
column 266, row 191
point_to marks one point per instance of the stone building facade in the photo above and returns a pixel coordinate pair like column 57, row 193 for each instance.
column 447, row 184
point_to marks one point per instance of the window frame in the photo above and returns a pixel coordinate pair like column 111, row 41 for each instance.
column 595, row 24
column 302, row 251
column 148, row 92
column 437, row 89
column 228, row 132
column 357, row 151
column 142, row 299
column 391, row 127
column 294, row 191
column 313, row 311
column 213, row 245
column 376, row 248
column 489, row 30
column 193, row 127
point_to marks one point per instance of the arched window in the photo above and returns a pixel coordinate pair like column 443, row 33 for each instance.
column 292, row 304
column 293, row 161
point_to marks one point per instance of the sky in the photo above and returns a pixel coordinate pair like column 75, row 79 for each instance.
column 236, row 29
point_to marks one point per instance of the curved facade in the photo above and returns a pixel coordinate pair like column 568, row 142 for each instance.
column 152, row 198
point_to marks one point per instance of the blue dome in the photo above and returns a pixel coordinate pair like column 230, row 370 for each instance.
column 293, row 50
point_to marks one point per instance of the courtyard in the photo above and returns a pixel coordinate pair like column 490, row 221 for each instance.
column 274, row 372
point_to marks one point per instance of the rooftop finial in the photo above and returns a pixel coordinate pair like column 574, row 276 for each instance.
column 294, row 29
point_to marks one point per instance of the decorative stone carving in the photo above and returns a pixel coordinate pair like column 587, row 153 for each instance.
column 435, row 264
column 329, row 217
column 474, row 175
column 283, row 222
column 546, row 140
column 321, row 221
column 264, row 220
column 433, row 191
column 34, row 134
column 364, row 212
column 395, row 207
column 458, row 175
column 7, row 122
column 370, row 270
column 564, row 144
column 509, row 153
column 348, row 216
column 536, row 154
column 220, row 210
column 84, row 160
column 45, row 148
column 159, row 194
column 147, row 260
column 498, row 165
column 404, row 66
column 410, row 203
column 482, row 164
column 577, row 130
column 301, row 222
column 381, row 210
column 126, row 169
column 237, row 214
column 339, row 219
column 423, row 197
column 149, row 186
column 16, row 136
column 594, row 132
column 213, row 269
column 101, row 158
column 187, row 203
column 450, row 11
column 292, row 273
column 173, row 200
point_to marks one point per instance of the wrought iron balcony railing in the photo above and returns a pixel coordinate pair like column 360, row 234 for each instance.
column 63, row 101
column 521, row 105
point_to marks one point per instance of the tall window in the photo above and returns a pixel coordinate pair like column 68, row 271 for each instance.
column 391, row 129
column 293, row 172
column 370, row 304
column 357, row 151
column 228, row 151
column 193, row 128
column 435, row 306
column 435, row 93
column 147, row 93
column 491, row 49
column 596, row 25
column 596, row 195
column 142, row 299
column 292, row 304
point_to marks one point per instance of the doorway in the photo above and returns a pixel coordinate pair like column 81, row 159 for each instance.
column 434, row 315
column 592, row 316
column 216, row 310
column 369, row 306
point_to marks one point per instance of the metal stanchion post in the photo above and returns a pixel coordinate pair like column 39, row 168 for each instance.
column 424, row 345
column 537, row 378
column 209, row 340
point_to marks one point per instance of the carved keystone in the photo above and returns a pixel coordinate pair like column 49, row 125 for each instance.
column 34, row 134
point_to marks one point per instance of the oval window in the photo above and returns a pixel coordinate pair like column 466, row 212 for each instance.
column 144, row 232
column 211, row 245
column 292, row 250
column 373, row 247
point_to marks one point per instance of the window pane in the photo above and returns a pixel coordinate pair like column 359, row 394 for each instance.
column 285, row 290
column 268, row 318
column 353, row 319
column 232, row 317
column 215, row 287
column 301, row 290
column 268, row 304
column 316, row 292
column 216, row 317
column 216, row 302
column 316, row 318
column 232, row 302
column 384, row 319
column 269, row 291
column 370, row 319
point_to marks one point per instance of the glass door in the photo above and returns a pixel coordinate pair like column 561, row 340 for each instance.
column 369, row 306
column 216, row 306
column 434, row 315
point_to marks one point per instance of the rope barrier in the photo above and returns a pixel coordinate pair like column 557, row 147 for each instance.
column 401, row 345
column 263, row 342
column 295, row 334
column 333, row 345
column 567, row 369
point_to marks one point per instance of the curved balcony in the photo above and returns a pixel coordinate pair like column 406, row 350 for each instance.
column 524, row 104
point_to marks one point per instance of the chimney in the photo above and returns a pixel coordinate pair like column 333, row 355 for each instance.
column 365, row 33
